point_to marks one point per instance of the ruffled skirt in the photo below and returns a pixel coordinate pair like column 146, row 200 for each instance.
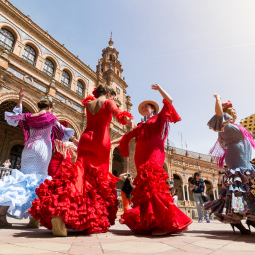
column 18, row 192
column 237, row 201
column 153, row 205
column 85, row 200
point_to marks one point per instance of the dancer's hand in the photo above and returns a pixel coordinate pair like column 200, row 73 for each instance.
column 21, row 95
column 155, row 86
column 131, row 123
column 204, row 194
column 218, row 97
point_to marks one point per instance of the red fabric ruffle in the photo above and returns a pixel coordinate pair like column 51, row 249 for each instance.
column 87, row 99
column 92, row 208
column 120, row 117
column 153, row 205
column 124, row 146
column 170, row 112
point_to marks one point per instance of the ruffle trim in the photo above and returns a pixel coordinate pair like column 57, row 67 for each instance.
column 237, row 199
column 87, row 99
column 217, row 123
column 171, row 113
column 18, row 192
column 93, row 208
column 124, row 146
column 120, row 117
column 153, row 205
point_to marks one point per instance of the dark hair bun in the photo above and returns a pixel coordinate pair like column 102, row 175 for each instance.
column 44, row 103
column 101, row 90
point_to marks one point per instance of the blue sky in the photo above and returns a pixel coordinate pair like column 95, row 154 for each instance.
column 192, row 48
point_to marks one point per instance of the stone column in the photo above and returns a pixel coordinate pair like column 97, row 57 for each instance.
column 7, row 139
column 217, row 193
column 183, row 191
column 187, row 186
column 214, row 197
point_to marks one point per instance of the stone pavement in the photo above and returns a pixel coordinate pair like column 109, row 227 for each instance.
column 201, row 238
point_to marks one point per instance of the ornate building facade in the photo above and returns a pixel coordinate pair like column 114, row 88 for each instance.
column 32, row 59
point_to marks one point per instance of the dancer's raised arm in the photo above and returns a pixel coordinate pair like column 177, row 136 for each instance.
column 164, row 94
column 21, row 95
column 218, row 105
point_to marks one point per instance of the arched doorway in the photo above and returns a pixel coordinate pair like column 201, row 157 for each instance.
column 8, row 106
column 209, row 190
column 15, row 155
column 117, row 165
column 178, row 186
column 190, row 191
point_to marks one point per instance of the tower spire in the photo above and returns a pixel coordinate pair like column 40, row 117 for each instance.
column 111, row 42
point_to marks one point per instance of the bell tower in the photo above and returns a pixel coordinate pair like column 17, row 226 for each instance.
column 110, row 69
column 109, row 60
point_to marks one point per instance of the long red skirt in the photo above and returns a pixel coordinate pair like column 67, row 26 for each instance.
column 153, row 206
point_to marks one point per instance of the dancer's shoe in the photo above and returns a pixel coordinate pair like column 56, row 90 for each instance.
column 208, row 220
column 58, row 226
column 4, row 223
column 159, row 232
column 250, row 223
column 241, row 227
column 200, row 220
column 33, row 223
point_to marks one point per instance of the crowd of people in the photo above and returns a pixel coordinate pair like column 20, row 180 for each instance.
column 73, row 189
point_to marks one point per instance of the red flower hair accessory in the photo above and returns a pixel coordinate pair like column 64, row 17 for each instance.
column 95, row 93
column 64, row 123
column 226, row 104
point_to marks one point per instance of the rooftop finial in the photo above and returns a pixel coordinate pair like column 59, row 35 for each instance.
column 111, row 42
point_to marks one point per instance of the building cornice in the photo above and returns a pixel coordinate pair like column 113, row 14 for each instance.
column 7, row 7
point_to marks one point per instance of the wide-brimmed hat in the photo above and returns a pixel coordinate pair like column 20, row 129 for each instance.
column 140, row 107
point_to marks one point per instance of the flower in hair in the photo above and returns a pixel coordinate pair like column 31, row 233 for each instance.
column 95, row 93
column 64, row 123
column 47, row 97
column 226, row 104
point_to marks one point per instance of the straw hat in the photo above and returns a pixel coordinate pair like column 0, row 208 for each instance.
column 141, row 105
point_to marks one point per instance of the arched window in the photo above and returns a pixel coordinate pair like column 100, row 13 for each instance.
column 48, row 67
column 29, row 55
column 65, row 79
column 80, row 89
column 6, row 39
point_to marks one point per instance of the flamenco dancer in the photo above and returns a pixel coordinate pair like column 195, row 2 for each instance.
column 63, row 153
column 83, row 195
column 234, row 144
column 154, row 211
column 17, row 191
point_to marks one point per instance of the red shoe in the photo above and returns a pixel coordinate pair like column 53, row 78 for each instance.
column 159, row 232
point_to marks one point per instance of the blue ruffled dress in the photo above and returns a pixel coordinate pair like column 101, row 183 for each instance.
column 18, row 189
column 235, row 202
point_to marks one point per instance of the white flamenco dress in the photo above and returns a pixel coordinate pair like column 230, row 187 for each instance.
column 18, row 190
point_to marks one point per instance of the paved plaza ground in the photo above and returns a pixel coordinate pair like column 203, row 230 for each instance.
column 201, row 238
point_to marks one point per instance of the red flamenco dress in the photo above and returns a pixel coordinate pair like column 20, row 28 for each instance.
column 84, row 193
column 153, row 205
column 63, row 154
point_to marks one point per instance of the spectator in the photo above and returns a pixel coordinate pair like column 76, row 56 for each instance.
column 198, row 187
column 174, row 194
column 7, row 163
column 126, row 190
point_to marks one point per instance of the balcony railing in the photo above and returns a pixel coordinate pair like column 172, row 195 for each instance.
column 29, row 60
column 5, row 172
column 8, row 47
column 48, row 73
column 65, row 84
column 79, row 93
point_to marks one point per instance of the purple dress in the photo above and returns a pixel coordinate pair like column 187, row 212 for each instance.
column 18, row 189
column 235, row 201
